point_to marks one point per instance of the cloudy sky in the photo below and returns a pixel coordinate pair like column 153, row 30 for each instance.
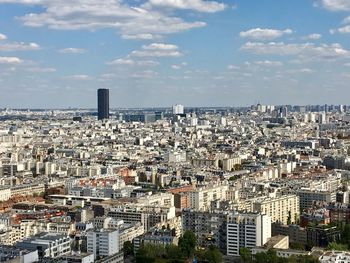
column 56, row 53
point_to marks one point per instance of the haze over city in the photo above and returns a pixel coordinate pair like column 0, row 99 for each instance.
column 161, row 52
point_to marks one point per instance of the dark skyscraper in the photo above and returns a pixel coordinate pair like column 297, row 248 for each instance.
column 103, row 103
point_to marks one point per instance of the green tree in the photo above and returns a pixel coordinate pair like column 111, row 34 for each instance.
column 245, row 254
column 149, row 253
column 213, row 255
column 272, row 256
column 174, row 254
column 261, row 257
column 345, row 235
column 142, row 256
column 296, row 246
column 128, row 248
column 337, row 246
column 187, row 243
column 289, row 219
column 306, row 259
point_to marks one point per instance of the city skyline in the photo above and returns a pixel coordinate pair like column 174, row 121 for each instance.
column 157, row 53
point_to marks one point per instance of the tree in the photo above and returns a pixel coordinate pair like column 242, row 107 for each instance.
column 245, row 254
column 173, row 253
column 238, row 167
column 272, row 256
column 150, row 253
column 142, row 256
column 306, row 259
column 345, row 235
column 261, row 257
column 213, row 255
column 297, row 246
column 289, row 219
column 128, row 248
column 337, row 246
column 187, row 243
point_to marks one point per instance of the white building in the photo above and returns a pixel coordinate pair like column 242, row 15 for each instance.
column 200, row 199
column 148, row 216
column 178, row 109
column 279, row 208
column 48, row 244
column 50, row 168
column 335, row 257
column 103, row 243
column 5, row 194
column 247, row 230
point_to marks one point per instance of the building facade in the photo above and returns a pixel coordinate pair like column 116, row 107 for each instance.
column 247, row 230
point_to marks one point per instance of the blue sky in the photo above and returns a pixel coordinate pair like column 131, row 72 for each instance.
column 56, row 53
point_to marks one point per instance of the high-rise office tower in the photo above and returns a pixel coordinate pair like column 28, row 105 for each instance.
column 103, row 103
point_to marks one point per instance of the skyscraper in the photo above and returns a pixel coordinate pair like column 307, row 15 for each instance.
column 103, row 103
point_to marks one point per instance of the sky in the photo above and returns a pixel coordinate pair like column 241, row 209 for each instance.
column 157, row 53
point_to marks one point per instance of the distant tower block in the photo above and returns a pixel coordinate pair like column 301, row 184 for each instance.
column 178, row 109
column 103, row 103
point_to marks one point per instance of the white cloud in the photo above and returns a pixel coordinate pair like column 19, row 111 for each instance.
column 264, row 33
column 131, row 62
column 3, row 37
column 196, row 5
column 160, row 46
column 347, row 64
column 346, row 20
column 121, row 61
column 72, row 50
column 304, row 51
column 336, row 5
column 341, row 30
column 79, row 77
column 10, row 60
column 137, row 21
column 306, row 70
column 314, row 36
column 148, row 63
column 233, row 67
column 155, row 53
column 146, row 74
column 141, row 36
column 19, row 46
column 179, row 66
column 41, row 70
column 268, row 63
column 157, row 50
column 108, row 75
column 297, row 71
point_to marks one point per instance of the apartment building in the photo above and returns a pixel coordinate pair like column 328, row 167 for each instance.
column 280, row 209
column 201, row 198
column 308, row 197
column 209, row 227
column 103, row 242
column 148, row 216
column 48, row 245
column 247, row 230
